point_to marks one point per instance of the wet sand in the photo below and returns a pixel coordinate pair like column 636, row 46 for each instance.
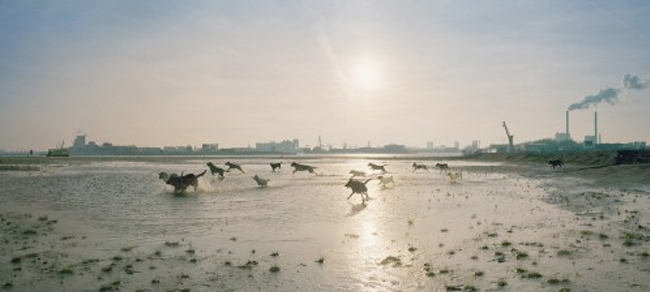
column 516, row 226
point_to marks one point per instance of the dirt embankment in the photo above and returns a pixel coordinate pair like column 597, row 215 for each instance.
column 605, row 168
column 585, row 159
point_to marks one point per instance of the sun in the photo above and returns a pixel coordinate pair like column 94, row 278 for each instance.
column 366, row 76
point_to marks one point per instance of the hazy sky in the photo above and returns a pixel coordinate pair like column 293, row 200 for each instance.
column 171, row 73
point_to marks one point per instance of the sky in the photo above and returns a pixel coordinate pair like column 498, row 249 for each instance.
column 178, row 73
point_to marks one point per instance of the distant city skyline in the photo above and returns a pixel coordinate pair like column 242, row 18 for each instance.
column 156, row 73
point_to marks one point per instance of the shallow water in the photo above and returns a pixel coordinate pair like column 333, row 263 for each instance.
column 385, row 245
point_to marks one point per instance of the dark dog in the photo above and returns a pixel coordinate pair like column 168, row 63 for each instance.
column 182, row 182
column 215, row 169
column 556, row 163
column 275, row 166
column 358, row 187
column 442, row 166
column 302, row 167
column 419, row 166
column 234, row 165
column 381, row 167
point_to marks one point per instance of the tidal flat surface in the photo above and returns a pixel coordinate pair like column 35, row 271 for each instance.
column 111, row 224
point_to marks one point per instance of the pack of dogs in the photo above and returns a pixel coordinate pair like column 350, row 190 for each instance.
column 184, row 181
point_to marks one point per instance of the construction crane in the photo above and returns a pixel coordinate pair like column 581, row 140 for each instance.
column 511, row 145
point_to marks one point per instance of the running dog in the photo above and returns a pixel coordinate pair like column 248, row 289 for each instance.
column 385, row 180
column 275, row 166
column 454, row 176
column 215, row 169
column 381, row 167
column 234, row 165
column 556, row 163
column 182, row 182
column 442, row 166
column 358, row 187
column 261, row 181
column 357, row 173
column 419, row 166
column 302, row 167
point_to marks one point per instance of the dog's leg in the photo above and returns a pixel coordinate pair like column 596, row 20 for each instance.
column 350, row 196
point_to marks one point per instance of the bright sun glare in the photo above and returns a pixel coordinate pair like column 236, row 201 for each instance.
column 366, row 76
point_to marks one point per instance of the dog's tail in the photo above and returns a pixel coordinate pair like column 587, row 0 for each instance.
column 365, row 182
column 201, row 174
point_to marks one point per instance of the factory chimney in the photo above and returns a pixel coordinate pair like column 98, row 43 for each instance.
column 596, row 128
column 567, row 123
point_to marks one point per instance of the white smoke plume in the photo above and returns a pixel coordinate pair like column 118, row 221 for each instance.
column 609, row 94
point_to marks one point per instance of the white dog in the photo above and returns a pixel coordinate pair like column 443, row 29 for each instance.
column 357, row 173
column 262, row 182
column 454, row 176
column 385, row 180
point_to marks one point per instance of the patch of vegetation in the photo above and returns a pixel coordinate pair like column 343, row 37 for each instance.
column 172, row 244
column 89, row 261
column 522, row 255
column 66, row 271
column 29, row 232
column 553, row 281
column 321, row 260
column 506, row 243
column 586, row 233
column 107, row 269
column 532, row 275
column 128, row 248
column 115, row 286
column 274, row 269
column 564, row 252
column 248, row 265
